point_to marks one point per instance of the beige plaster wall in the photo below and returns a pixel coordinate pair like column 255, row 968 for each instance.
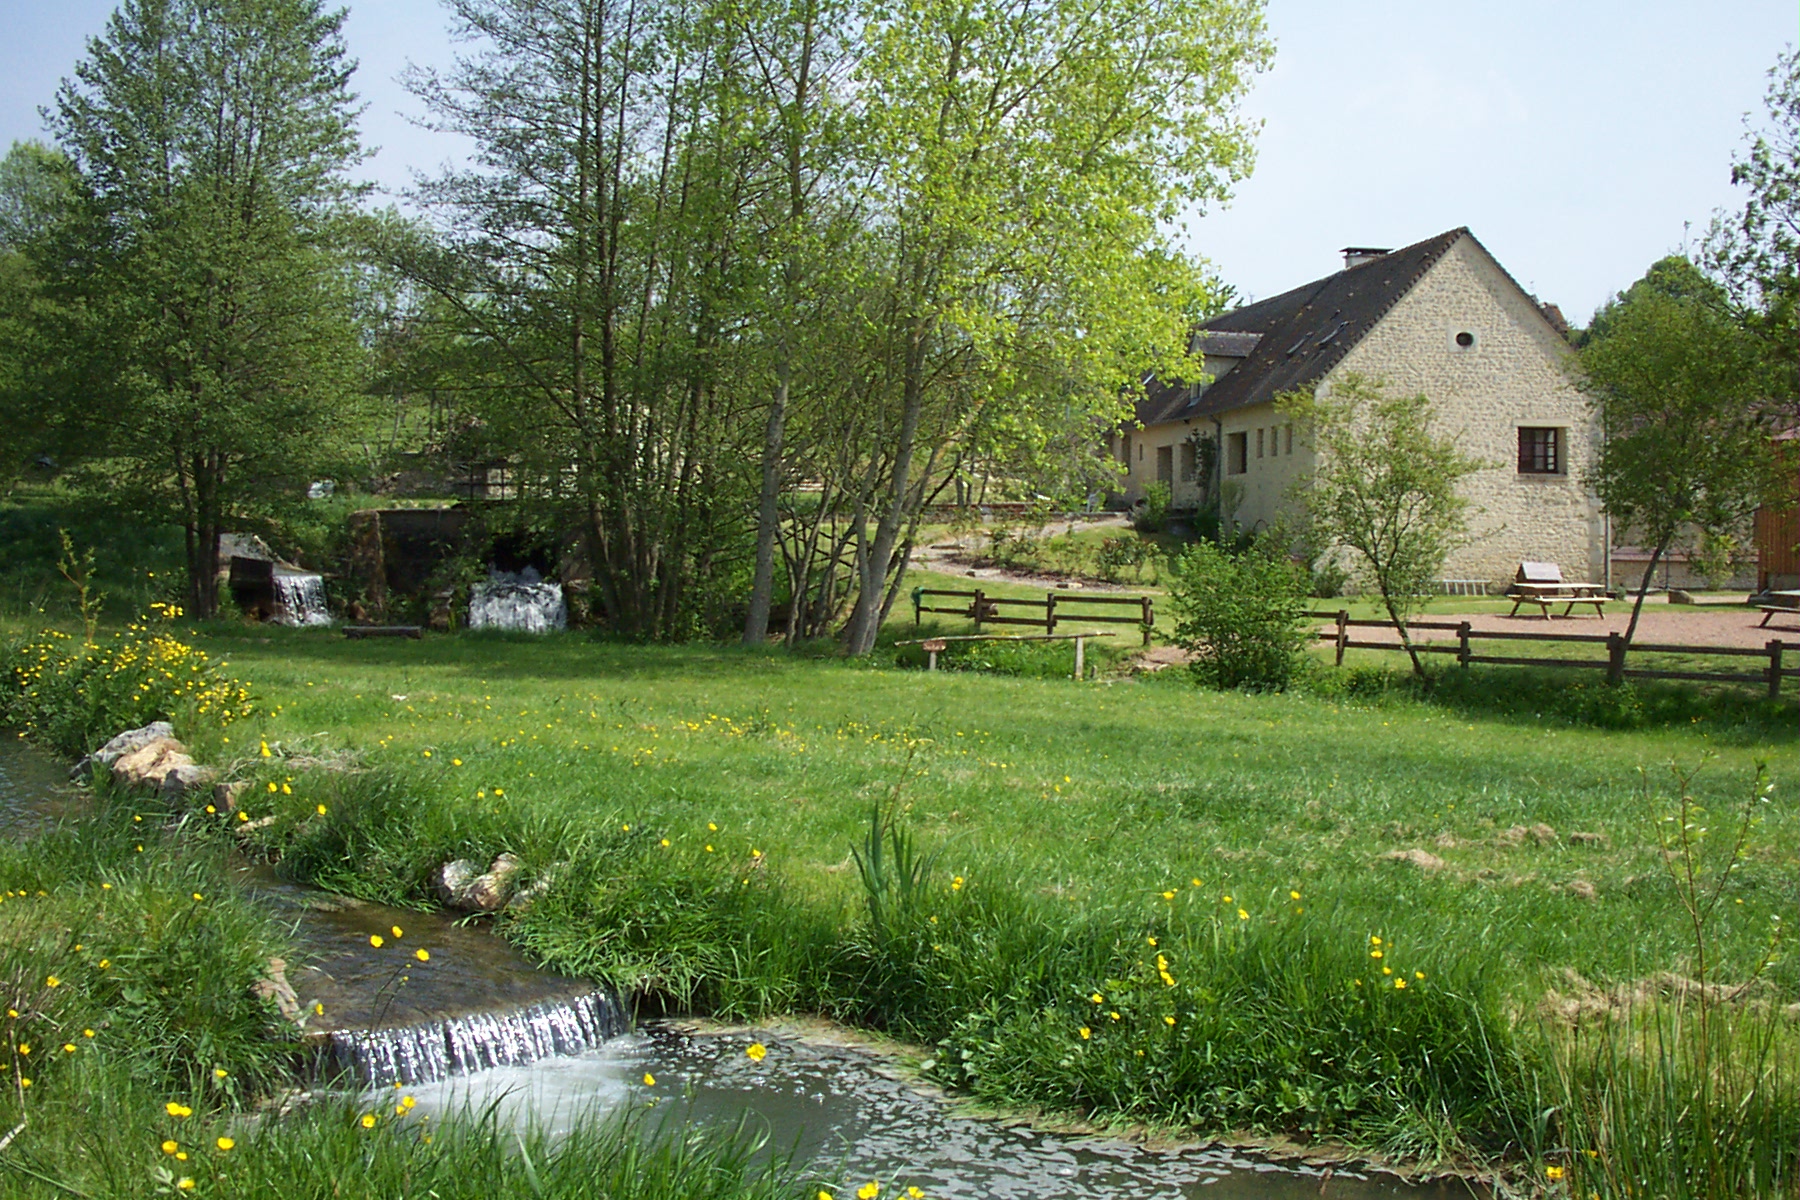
column 1514, row 375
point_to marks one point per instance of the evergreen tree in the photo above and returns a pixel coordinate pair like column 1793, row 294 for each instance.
column 204, row 299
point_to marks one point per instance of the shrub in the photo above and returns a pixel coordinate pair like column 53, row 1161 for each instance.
column 71, row 694
column 1152, row 516
column 1240, row 615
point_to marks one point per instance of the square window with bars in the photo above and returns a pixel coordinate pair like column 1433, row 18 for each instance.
column 1540, row 450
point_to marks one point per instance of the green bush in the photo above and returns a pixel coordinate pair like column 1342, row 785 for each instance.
column 1152, row 515
column 71, row 694
column 1241, row 615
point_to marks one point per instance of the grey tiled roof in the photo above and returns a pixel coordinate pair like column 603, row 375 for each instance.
column 1289, row 342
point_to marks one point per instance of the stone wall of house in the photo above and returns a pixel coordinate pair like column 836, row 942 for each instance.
column 1512, row 374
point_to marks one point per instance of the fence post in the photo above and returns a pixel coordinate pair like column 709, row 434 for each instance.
column 1050, row 620
column 1775, row 670
column 1615, row 657
column 1343, row 633
column 918, row 595
column 979, row 605
column 1149, row 620
column 1078, row 658
column 1462, row 650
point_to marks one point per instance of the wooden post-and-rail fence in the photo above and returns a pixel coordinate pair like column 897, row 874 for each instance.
column 1045, row 614
column 1772, row 653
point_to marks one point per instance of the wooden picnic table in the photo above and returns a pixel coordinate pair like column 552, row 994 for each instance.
column 1778, row 602
column 1566, row 594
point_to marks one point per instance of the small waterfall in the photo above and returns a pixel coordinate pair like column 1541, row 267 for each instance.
column 523, row 603
column 301, row 598
column 459, row 1045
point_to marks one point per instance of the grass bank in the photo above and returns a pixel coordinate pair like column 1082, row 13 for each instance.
column 1245, row 881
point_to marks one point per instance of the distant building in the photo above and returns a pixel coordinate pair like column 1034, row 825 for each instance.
column 1440, row 317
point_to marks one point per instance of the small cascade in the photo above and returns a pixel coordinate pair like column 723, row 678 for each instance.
column 300, row 596
column 457, row 1046
column 522, row 603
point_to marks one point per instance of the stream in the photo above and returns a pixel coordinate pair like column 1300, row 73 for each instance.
column 475, row 1024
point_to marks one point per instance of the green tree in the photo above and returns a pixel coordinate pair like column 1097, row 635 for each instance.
column 1755, row 252
column 1241, row 615
column 1385, row 488
column 1681, row 390
column 1021, row 155
column 37, row 200
column 206, row 304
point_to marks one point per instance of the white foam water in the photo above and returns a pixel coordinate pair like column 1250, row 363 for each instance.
column 477, row 1042
column 521, row 604
column 301, row 598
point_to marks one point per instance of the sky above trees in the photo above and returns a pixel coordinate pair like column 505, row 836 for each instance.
column 1581, row 142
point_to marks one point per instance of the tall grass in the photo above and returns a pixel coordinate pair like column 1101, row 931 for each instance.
column 1679, row 1095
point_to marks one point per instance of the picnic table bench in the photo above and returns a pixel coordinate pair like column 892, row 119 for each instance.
column 1778, row 602
column 1542, row 584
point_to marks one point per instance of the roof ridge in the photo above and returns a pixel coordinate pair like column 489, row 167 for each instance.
column 1361, row 295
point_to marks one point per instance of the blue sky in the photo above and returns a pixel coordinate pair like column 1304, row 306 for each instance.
column 1580, row 140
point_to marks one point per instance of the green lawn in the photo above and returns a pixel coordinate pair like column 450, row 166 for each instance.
column 1342, row 912
column 1116, row 790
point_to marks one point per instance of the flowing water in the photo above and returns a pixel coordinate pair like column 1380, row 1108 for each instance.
column 835, row 1109
column 521, row 603
column 34, row 789
column 301, row 598
column 473, row 1023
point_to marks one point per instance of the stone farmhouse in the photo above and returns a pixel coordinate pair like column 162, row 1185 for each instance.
column 1440, row 317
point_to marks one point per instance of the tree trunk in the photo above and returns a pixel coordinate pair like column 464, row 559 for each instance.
column 768, row 516
column 1637, row 606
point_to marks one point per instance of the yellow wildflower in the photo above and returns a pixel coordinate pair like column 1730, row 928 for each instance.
column 224, row 1144
column 368, row 1120
column 757, row 1051
column 422, row 954
column 649, row 1079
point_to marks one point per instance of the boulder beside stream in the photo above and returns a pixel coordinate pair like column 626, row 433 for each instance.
column 162, row 763
column 462, row 884
column 123, row 744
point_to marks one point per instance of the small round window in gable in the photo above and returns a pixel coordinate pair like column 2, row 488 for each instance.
column 1465, row 339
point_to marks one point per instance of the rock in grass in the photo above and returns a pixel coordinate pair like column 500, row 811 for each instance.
column 1424, row 860
column 275, row 988
column 151, row 764
column 454, row 880
column 121, row 745
column 489, row 893
column 184, row 779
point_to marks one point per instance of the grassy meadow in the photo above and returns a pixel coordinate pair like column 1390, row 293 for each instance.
column 1346, row 913
column 1445, row 928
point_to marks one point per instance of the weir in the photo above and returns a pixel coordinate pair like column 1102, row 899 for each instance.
column 300, row 598
column 521, row 603
column 438, row 1050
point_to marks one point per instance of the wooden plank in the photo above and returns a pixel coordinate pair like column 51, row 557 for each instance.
column 1421, row 647
column 1714, row 675
column 1538, row 662
column 1739, row 651
column 1451, row 626
column 1502, row 635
